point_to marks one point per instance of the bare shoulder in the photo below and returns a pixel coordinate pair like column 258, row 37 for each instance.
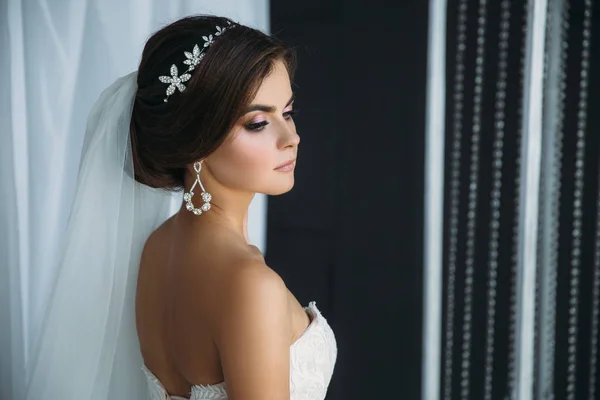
column 251, row 290
column 243, row 287
column 227, row 288
column 250, row 276
column 253, row 330
column 223, row 278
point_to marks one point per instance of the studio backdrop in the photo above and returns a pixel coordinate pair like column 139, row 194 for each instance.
column 447, row 194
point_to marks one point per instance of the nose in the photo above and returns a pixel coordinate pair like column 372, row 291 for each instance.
column 288, row 136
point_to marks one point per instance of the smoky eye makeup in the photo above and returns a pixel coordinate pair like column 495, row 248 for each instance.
column 290, row 113
column 256, row 124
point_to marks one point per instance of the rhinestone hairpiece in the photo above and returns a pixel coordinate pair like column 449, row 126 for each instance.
column 176, row 81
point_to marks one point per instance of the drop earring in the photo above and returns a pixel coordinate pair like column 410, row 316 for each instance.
column 187, row 197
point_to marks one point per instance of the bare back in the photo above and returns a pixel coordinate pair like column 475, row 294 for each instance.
column 185, row 272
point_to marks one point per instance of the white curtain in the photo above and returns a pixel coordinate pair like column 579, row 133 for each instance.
column 55, row 59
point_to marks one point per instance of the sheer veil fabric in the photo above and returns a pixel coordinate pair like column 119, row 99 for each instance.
column 89, row 347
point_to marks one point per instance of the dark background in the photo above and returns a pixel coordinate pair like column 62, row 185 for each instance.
column 350, row 233
column 504, row 352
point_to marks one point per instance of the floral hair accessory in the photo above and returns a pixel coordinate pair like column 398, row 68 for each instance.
column 176, row 81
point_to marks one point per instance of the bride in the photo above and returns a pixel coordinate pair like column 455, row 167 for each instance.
column 151, row 304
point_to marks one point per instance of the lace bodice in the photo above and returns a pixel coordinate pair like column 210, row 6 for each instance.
column 312, row 359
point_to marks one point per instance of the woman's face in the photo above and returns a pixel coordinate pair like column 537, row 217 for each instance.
column 263, row 139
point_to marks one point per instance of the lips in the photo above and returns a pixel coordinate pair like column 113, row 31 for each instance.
column 288, row 163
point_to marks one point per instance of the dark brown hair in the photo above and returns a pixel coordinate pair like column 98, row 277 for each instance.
column 168, row 136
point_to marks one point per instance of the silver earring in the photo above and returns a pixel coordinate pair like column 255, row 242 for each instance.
column 187, row 197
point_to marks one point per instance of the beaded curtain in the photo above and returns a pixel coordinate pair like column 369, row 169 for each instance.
column 486, row 47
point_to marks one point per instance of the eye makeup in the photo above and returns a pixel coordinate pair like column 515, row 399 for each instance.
column 259, row 123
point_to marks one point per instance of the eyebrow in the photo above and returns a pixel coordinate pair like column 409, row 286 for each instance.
column 269, row 109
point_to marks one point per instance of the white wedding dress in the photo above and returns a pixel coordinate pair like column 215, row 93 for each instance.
column 312, row 359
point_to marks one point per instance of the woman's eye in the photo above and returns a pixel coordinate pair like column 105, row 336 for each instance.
column 256, row 126
column 290, row 114
column 259, row 126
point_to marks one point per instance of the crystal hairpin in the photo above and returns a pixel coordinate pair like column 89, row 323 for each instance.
column 176, row 81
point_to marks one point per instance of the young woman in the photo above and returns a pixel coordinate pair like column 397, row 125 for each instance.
column 182, row 298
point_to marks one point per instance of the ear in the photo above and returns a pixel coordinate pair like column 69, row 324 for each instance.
column 204, row 162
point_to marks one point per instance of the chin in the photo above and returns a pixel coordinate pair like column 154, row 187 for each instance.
column 276, row 190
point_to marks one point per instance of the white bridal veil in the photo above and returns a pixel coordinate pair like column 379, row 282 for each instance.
column 89, row 347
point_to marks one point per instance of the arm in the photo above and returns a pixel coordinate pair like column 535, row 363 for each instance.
column 253, row 335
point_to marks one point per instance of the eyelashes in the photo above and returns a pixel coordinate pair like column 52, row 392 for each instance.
column 290, row 114
column 255, row 127
column 259, row 126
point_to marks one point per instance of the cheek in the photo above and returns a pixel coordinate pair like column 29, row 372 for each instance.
column 245, row 161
